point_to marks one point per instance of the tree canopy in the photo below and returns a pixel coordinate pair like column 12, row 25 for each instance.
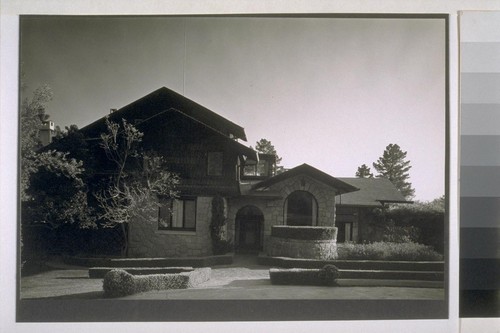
column 364, row 172
column 394, row 166
column 265, row 146
column 131, row 193
column 32, row 116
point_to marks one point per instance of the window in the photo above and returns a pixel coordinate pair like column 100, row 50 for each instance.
column 215, row 164
column 301, row 208
column 256, row 169
column 177, row 215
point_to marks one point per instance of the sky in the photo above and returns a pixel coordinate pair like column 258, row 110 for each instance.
column 329, row 92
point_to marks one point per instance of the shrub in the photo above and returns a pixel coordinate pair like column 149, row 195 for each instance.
column 144, row 283
column 198, row 276
column 388, row 251
column 118, row 283
column 304, row 232
column 221, row 246
column 325, row 276
column 329, row 275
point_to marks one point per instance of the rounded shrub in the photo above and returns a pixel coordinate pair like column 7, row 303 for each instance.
column 117, row 283
column 329, row 275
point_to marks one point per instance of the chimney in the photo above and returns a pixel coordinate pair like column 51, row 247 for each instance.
column 46, row 132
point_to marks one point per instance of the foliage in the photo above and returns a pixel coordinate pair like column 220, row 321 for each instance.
column 71, row 140
column 388, row 251
column 427, row 217
column 57, row 193
column 32, row 115
column 217, row 231
column 304, row 232
column 132, row 191
column 304, row 276
column 118, row 282
column 329, row 275
column 393, row 166
column 400, row 234
column 266, row 147
column 364, row 172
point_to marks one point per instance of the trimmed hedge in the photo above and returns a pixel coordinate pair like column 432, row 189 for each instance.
column 388, row 251
column 326, row 276
column 119, row 283
column 395, row 265
column 304, row 232
column 100, row 272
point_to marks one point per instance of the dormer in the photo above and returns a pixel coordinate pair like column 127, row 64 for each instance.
column 264, row 168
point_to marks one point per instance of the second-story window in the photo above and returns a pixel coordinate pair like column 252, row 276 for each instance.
column 215, row 163
column 256, row 169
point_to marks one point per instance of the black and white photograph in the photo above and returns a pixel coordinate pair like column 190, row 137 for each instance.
column 233, row 167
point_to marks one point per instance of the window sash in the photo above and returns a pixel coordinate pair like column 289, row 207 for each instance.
column 177, row 215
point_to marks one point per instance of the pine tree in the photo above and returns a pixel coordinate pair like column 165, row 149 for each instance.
column 393, row 166
column 266, row 147
column 364, row 172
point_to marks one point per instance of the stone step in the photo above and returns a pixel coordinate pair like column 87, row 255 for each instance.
column 286, row 262
column 389, row 283
column 100, row 272
column 392, row 275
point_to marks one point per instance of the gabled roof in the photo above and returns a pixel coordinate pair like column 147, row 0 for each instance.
column 374, row 192
column 164, row 117
column 312, row 172
column 163, row 99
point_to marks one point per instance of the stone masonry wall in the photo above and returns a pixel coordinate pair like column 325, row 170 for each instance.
column 273, row 208
column 145, row 240
column 325, row 197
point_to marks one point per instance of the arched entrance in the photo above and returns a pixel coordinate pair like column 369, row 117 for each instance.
column 249, row 230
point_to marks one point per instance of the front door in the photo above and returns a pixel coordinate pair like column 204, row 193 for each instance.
column 249, row 230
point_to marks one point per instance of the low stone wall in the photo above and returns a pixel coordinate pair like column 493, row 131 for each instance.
column 285, row 242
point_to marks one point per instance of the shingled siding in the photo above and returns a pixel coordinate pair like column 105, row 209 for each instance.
column 147, row 241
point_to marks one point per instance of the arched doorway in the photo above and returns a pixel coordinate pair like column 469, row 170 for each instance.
column 301, row 208
column 249, row 230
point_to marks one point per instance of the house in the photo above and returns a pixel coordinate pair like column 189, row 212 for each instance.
column 205, row 150
column 355, row 218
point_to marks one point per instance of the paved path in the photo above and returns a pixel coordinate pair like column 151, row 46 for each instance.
column 244, row 279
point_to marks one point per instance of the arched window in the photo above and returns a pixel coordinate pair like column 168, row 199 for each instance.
column 301, row 208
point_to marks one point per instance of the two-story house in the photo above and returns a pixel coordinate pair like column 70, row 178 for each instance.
column 205, row 150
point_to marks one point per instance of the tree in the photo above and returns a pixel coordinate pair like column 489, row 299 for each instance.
column 57, row 193
column 72, row 141
column 265, row 146
column 364, row 172
column 133, row 191
column 393, row 166
column 32, row 116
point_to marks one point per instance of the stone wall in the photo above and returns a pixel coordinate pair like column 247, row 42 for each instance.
column 145, row 240
column 324, row 195
column 273, row 208
column 303, row 242
column 306, row 249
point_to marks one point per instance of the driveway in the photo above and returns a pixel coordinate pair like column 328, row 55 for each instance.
column 244, row 279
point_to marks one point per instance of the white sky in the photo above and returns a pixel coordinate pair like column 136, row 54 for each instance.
column 330, row 92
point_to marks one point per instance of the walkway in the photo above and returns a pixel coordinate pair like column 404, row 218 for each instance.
column 244, row 279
